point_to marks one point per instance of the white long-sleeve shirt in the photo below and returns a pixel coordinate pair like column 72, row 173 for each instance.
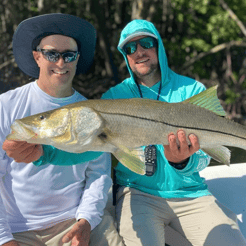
column 34, row 198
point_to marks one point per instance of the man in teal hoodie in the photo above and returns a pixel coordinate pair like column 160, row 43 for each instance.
column 172, row 192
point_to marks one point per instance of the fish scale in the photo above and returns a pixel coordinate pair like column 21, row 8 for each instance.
column 123, row 126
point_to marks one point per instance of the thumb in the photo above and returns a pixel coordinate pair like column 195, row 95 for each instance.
column 40, row 151
column 36, row 153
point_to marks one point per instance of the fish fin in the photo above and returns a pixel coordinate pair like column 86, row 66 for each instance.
column 219, row 153
column 134, row 159
column 207, row 99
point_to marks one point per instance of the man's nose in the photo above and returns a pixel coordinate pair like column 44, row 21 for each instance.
column 60, row 62
column 140, row 50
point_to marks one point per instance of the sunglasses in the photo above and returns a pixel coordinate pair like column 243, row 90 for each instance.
column 53, row 56
column 146, row 43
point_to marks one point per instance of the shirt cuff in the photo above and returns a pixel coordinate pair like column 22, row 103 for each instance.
column 93, row 221
column 181, row 165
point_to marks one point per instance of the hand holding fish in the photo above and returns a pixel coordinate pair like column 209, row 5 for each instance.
column 177, row 154
column 21, row 151
column 122, row 126
column 79, row 234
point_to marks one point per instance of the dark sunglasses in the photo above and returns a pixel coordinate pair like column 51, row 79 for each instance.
column 146, row 43
column 53, row 56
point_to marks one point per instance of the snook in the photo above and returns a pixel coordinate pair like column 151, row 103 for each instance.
column 121, row 126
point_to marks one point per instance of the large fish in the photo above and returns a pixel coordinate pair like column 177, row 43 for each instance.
column 122, row 126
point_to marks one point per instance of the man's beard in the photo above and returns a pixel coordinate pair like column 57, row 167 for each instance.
column 153, row 69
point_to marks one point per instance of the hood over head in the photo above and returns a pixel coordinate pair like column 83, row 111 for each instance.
column 142, row 27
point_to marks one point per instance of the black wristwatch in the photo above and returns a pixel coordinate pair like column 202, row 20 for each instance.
column 181, row 165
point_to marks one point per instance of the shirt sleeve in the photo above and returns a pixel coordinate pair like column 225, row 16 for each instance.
column 95, row 194
column 55, row 156
column 107, row 95
column 5, row 231
column 198, row 161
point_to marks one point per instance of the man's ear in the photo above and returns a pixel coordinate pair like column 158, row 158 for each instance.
column 36, row 56
column 78, row 57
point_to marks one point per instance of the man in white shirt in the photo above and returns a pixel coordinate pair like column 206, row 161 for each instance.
column 51, row 205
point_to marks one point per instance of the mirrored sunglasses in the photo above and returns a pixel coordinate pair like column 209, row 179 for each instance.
column 146, row 43
column 53, row 56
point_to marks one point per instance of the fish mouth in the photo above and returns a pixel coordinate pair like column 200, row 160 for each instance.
column 19, row 131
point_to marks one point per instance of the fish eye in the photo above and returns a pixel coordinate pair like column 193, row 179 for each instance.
column 42, row 117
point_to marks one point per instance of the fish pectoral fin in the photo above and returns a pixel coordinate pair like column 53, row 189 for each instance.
column 219, row 153
column 207, row 99
column 134, row 159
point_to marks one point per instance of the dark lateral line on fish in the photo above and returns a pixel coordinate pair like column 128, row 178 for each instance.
column 184, row 127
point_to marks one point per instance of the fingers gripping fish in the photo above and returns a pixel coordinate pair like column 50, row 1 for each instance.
column 122, row 126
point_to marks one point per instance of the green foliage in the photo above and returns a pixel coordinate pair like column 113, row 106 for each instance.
column 231, row 96
column 197, row 44
column 222, row 28
column 196, row 35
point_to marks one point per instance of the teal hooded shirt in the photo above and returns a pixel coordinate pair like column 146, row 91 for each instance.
column 167, row 182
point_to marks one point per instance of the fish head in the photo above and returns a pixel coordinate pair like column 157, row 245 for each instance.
column 41, row 128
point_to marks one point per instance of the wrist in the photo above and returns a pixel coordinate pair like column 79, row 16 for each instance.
column 84, row 223
column 180, row 165
column 84, row 220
